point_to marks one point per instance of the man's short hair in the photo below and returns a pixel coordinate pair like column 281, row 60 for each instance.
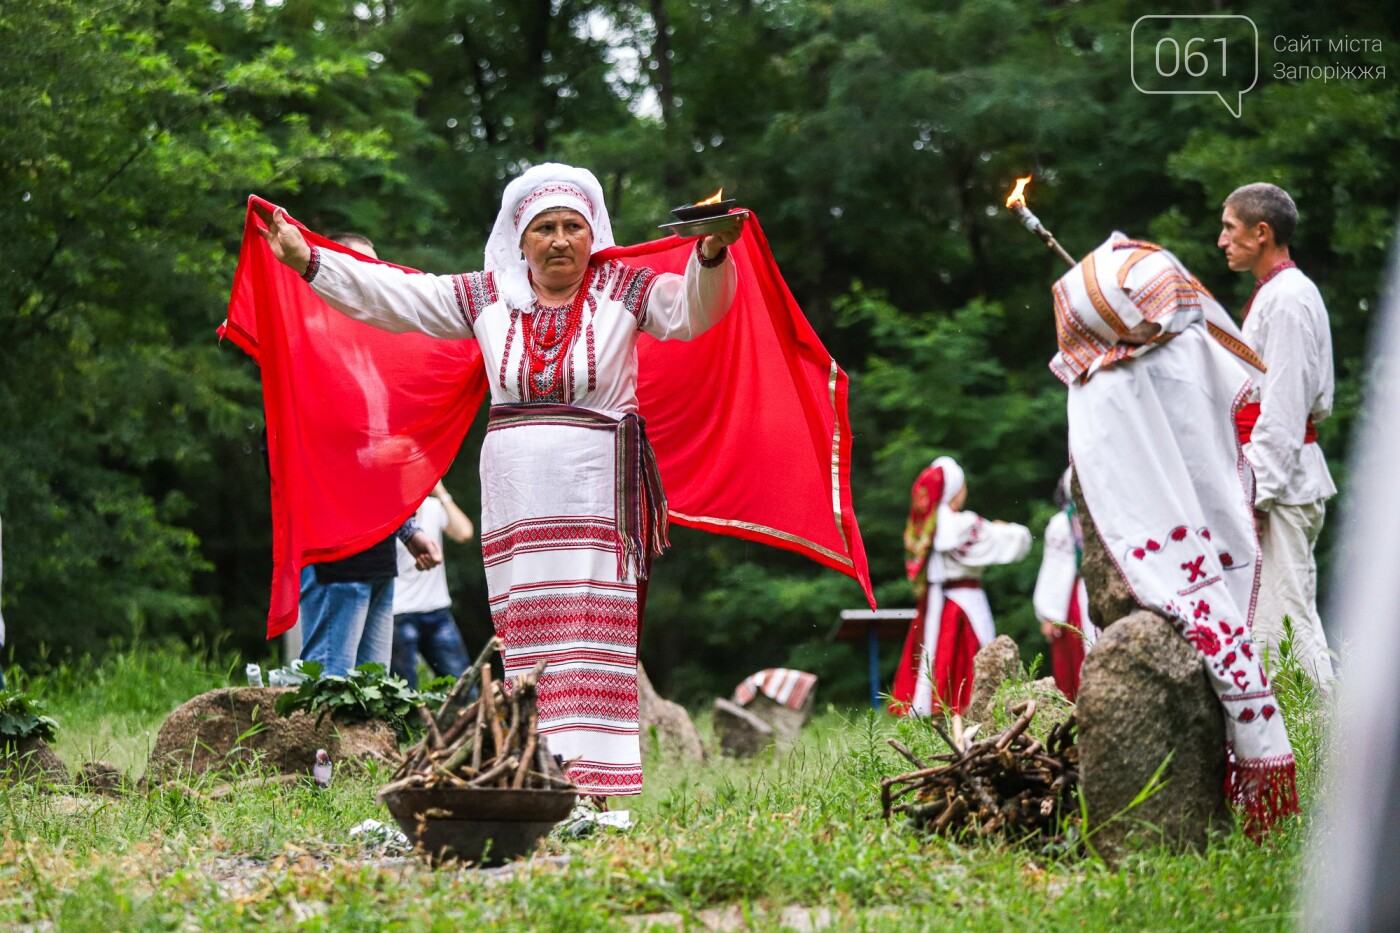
column 353, row 240
column 1262, row 202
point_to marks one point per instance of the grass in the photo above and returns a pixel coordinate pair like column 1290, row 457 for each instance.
column 747, row 841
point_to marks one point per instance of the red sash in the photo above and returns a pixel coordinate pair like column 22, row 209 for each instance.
column 1248, row 416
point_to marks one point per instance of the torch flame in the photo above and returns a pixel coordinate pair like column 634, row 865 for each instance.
column 712, row 199
column 1018, row 195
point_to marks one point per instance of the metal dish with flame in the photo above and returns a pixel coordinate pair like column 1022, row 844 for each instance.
column 703, row 217
column 704, row 226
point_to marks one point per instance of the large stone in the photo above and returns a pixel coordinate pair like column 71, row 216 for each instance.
column 741, row 733
column 30, row 761
column 235, row 727
column 1144, row 697
column 665, row 726
column 785, row 721
column 1109, row 596
column 997, row 662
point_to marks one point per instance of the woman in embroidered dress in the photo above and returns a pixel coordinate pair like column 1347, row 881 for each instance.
column 945, row 551
column 1061, row 601
column 572, row 508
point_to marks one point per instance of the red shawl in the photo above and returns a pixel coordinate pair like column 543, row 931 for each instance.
column 748, row 421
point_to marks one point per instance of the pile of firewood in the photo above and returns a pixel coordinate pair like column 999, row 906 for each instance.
column 491, row 741
column 1008, row 782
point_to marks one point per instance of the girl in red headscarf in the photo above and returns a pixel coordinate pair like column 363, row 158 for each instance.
column 946, row 548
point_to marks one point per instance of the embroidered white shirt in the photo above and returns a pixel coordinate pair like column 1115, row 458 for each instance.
column 600, row 368
column 1287, row 326
column 965, row 542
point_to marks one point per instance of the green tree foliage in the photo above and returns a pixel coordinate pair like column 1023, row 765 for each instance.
column 876, row 139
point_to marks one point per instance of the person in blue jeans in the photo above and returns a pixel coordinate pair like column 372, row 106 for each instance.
column 347, row 605
column 423, row 622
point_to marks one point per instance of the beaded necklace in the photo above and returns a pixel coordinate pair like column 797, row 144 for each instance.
column 549, row 333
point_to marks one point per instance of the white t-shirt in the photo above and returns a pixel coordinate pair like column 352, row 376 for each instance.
column 423, row 590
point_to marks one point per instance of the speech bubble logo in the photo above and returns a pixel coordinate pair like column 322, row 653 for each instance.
column 1213, row 53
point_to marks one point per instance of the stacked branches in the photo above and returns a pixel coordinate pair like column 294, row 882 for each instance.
column 491, row 741
column 1008, row 782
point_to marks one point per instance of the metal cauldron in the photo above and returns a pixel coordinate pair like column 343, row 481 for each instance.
column 486, row 826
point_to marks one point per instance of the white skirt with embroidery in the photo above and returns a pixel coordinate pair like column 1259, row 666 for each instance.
column 549, row 542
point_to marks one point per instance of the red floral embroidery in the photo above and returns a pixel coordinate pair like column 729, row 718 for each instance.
column 1201, row 608
column 1247, row 650
column 1226, row 560
column 1241, row 679
column 1206, row 641
column 1153, row 545
column 1246, row 714
column 1139, row 553
column 1268, row 712
column 1205, row 533
column 1178, row 532
column 1228, row 660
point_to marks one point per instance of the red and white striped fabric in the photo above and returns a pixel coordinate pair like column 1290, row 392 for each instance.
column 779, row 684
column 549, row 543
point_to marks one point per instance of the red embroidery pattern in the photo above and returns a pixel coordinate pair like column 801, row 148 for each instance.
column 1287, row 264
column 548, row 533
column 592, row 356
column 1167, row 292
column 475, row 292
column 592, row 778
column 974, row 534
column 1196, row 574
column 560, row 188
column 537, row 622
column 505, row 357
column 631, row 286
column 581, row 694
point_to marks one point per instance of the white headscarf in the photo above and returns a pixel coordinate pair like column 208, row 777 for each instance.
column 953, row 478
column 548, row 187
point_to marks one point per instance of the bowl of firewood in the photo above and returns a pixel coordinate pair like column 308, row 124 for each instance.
column 481, row 786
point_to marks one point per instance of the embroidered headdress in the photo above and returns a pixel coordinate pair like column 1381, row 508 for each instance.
column 548, row 187
column 1118, row 286
column 936, row 486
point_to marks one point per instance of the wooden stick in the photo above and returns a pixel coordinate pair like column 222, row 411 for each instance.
column 531, row 739
column 500, row 768
column 1020, row 725
column 408, row 757
column 458, row 694
column 509, row 741
column 494, row 721
column 894, row 743
column 559, row 781
column 434, row 737
column 449, row 775
column 479, row 733
column 465, row 719
column 413, row 780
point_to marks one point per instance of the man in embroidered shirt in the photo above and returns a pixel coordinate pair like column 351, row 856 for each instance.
column 1285, row 321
